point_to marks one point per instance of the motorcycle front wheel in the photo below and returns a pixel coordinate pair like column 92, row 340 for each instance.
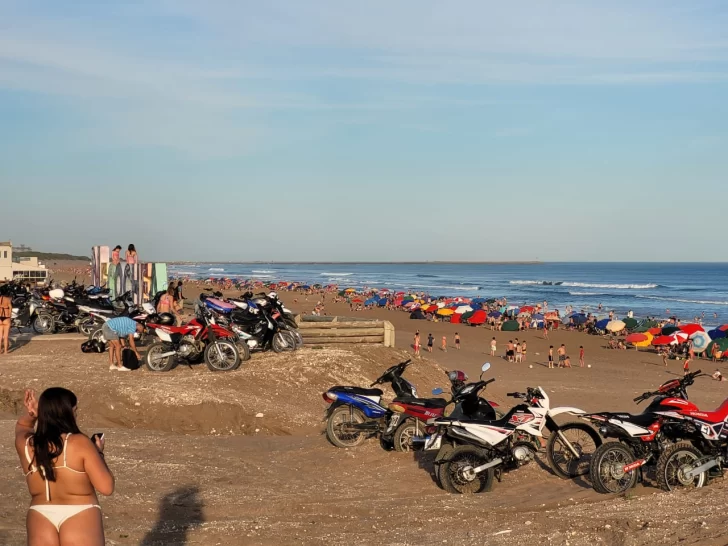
column 244, row 351
column 405, row 433
column 673, row 464
column 222, row 356
column 156, row 363
column 455, row 472
column 44, row 323
column 583, row 439
column 87, row 326
column 283, row 341
column 607, row 468
column 338, row 427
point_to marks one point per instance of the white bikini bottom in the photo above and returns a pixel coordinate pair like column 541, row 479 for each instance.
column 57, row 514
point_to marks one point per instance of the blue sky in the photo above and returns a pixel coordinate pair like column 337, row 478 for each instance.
column 336, row 130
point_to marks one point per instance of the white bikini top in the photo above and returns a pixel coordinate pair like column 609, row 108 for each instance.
column 41, row 471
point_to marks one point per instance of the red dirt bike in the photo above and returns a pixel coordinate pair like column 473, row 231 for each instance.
column 199, row 338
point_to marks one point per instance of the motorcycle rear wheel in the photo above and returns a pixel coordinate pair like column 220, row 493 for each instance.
column 606, row 468
column 583, row 438
column 460, row 459
column 227, row 362
column 87, row 326
column 338, row 419
column 44, row 324
column 153, row 363
column 445, row 450
column 404, row 435
column 671, row 467
column 244, row 351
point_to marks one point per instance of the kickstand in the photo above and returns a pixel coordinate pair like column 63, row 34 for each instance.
column 498, row 474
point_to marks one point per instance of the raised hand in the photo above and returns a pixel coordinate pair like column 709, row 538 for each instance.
column 31, row 403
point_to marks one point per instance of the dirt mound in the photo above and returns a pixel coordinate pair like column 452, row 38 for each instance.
column 285, row 388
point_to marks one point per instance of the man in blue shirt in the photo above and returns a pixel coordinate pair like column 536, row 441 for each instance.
column 114, row 331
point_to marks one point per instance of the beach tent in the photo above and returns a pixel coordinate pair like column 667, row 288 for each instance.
column 478, row 317
column 510, row 326
column 417, row 314
column 700, row 340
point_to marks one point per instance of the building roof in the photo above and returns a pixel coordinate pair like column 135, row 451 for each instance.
column 6, row 243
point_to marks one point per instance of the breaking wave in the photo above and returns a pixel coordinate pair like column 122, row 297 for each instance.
column 589, row 285
column 336, row 274
column 216, row 269
column 679, row 300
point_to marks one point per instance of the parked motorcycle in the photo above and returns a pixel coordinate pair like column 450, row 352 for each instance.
column 639, row 439
column 199, row 338
column 356, row 413
column 480, row 451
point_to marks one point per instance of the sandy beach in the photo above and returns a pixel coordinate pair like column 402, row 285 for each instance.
column 197, row 464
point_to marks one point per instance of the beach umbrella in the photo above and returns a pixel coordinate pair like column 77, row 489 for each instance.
column 646, row 343
column 510, row 326
column 641, row 329
column 615, row 326
column 468, row 314
column 445, row 312
column 357, row 300
column 528, row 309
column 475, row 305
column 495, row 314
column 723, row 328
column 700, row 341
column 690, row 329
column 667, row 330
column 722, row 344
column 635, row 338
column 537, row 316
column 524, row 314
column 417, row 314
column 478, row 317
column 655, row 331
column 441, row 304
column 578, row 319
column 717, row 334
column 680, row 337
column 463, row 309
column 662, row 340
column 602, row 324
column 409, row 304
column 629, row 322
column 456, row 318
column 350, row 290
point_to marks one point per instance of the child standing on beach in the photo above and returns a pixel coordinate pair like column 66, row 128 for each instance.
column 417, row 343
column 457, row 341
column 492, row 347
column 581, row 356
column 430, row 342
column 551, row 356
column 444, row 343
column 523, row 351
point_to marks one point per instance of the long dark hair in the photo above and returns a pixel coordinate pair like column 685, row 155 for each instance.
column 131, row 249
column 55, row 418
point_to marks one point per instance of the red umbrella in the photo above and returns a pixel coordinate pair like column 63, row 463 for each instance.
column 479, row 317
column 655, row 331
column 680, row 337
column 663, row 340
column 723, row 328
column 690, row 329
column 456, row 318
column 357, row 300
column 528, row 308
column 635, row 338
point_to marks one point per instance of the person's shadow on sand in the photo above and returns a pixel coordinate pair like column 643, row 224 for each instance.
column 179, row 511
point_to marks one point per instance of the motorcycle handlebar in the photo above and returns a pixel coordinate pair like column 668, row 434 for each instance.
column 515, row 394
column 489, row 382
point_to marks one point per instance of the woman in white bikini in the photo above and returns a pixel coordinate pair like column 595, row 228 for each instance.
column 63, row 469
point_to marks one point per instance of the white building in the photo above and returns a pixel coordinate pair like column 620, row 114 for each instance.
column 27, row 269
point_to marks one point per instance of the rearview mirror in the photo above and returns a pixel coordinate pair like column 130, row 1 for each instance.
column 485, row 367
column 437, row 391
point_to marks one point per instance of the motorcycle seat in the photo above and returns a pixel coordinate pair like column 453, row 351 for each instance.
column 357, row 390
column 424, row 402
column 639, row 419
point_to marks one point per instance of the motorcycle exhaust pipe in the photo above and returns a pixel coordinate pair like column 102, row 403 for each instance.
column 483, row 467
column 168, row 353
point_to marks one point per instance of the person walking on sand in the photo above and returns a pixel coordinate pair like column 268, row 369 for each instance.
column 417, row 343
column 430, row 342
column 444, row 344
column 493, row 346
column 114, row 330
column 63, row 469
column 457, row 341
column 581, row 356
column 545, row 329
column 523, row 351
column 509, row 351
column 664, row 357
column 551, row 357
column 686, row 366
column 6, row 313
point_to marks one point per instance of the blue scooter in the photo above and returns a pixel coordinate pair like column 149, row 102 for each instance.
column 356, row 413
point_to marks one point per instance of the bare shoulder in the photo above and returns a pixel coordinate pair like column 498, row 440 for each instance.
column 80, row 442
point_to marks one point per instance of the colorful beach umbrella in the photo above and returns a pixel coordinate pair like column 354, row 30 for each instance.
column 463, row 309
column 630, row 322
column 478, row 317
column 667, row 330
column 646, row 343
column 700, row 341
column 717, row 334
column 615, row 326
column 655, row 331
column 662, row 340
column 444, row 312
column 680, row 337
column 690, row 329
column 510, row 326
column 635, row 338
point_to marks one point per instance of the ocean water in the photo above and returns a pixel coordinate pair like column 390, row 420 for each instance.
column 648, row 289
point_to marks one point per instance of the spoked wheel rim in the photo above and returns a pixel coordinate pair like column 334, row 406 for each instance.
column 341, row 424
column 678, row 464
column 154, row 361
column 583, row 444
column 611, row 470
column 457, row 470
column 43, row 324
column 226, row 361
